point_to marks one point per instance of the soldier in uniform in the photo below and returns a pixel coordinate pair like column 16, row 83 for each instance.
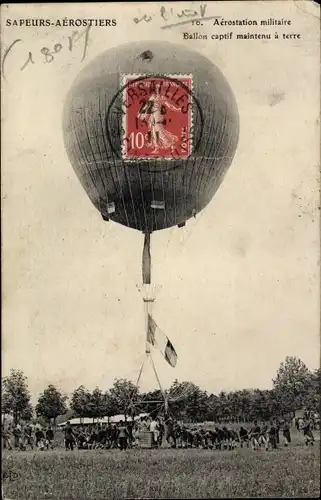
column 122, row 436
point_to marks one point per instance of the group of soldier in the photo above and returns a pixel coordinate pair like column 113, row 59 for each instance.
column 226, row 437
column 162, row 431
column 27, row 437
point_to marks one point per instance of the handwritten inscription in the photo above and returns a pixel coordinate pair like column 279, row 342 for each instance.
column 173, row 17
column 48, row 54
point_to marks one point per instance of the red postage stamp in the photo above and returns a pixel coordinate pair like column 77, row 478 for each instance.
column 157, row 117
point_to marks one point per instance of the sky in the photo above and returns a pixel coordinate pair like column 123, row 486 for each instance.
column 240, row 284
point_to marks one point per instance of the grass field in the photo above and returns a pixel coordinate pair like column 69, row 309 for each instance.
column 166, row 473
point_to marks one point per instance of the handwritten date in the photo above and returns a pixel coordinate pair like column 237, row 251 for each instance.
column 48, row 53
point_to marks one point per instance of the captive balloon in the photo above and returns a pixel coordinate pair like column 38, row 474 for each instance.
column 149, row 194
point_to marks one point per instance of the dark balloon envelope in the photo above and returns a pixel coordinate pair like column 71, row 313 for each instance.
column 126, row 192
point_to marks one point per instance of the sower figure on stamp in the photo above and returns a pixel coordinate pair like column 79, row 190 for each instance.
column 153, row 114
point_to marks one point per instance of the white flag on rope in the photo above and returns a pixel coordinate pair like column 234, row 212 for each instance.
column 158, row 339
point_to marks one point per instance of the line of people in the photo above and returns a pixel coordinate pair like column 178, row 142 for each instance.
column 228, row 438
column 177, row 435
column 27, row 437
column 259, row 436
column 111, row 436
column 106, row 436
column 161, row 430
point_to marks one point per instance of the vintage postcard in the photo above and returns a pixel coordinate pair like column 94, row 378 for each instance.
column 160, row 250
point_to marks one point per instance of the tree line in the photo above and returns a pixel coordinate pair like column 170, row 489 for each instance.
column 294, row 387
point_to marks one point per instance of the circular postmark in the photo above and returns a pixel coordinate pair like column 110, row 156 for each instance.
column 154, row 117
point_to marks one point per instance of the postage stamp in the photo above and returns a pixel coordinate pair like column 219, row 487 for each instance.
column 157, row 117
